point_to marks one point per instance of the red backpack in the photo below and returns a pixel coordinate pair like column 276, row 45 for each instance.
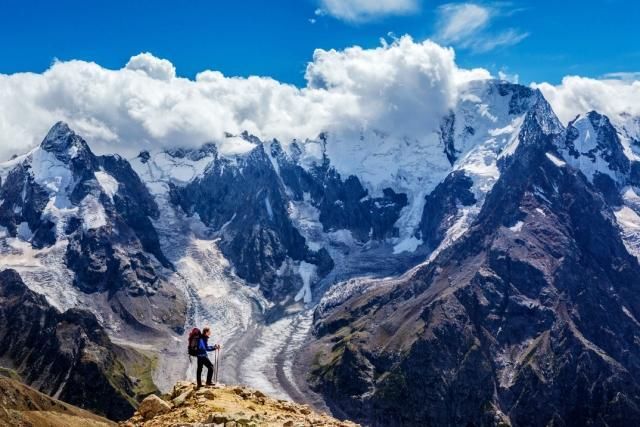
column 194, row 340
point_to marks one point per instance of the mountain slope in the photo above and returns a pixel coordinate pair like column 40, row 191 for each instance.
column 24, row 406
column 529, row 319
column 67, row 354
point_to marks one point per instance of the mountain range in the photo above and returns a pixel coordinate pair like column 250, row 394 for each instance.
column 483, row 274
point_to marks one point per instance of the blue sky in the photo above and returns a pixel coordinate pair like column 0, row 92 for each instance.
column 540, row 40
column 277, row 38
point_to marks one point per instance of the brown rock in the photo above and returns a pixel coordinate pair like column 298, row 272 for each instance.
column 181, row 387
column 305, row 410
column 153, row 406
column 217, row 419
column 208, row 394
column 181, row 399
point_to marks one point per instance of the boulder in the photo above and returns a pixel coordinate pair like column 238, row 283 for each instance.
column 153, row 406
column 179, row 401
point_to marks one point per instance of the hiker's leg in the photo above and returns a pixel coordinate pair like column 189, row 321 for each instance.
column 209, row 366
column 199, row 370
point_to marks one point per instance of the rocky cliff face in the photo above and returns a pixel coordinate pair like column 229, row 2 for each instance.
column 442, row 207
column 529, row 319
column 244, row 200
column 66, row 355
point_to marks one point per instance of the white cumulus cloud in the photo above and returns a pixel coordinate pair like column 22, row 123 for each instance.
column 404, row 86
column 153, row 67
column 363, row 10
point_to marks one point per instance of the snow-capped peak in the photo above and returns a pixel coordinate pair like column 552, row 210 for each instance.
column 63, row 142
column 545, row 116
column 58, row 136
column 593, row 145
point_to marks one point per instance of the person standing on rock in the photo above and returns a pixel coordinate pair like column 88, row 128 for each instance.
column 203, row 358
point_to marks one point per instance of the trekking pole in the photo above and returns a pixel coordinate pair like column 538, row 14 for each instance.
column 215, row 368
column 215, row 363
column 218, row 361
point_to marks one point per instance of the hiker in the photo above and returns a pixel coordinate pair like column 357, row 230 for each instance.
column 203, row 359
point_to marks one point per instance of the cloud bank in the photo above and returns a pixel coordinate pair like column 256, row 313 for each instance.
column 405, row 86
column 578, row 95
column 401, row 88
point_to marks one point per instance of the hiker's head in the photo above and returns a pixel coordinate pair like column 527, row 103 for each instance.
column 206, row 332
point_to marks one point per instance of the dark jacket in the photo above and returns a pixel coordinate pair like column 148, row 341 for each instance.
column 203, row 347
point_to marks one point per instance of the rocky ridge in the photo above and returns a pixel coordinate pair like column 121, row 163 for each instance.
column 226, row 406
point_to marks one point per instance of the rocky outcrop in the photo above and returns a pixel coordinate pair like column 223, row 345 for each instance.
column 521, row 98
column 22, row 204
column 228, row 406
column 24, row 406
column 447, row 137
column 441, row 207
column 529, row 319
column 66, row 355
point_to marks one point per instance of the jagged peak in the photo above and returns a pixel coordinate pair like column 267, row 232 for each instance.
column 207, row 149
column 64, row 142
column 599, row 123
column 58, row 134
column 59, row 128
column 276, row 150
column 542, row 113
column 594, row 145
